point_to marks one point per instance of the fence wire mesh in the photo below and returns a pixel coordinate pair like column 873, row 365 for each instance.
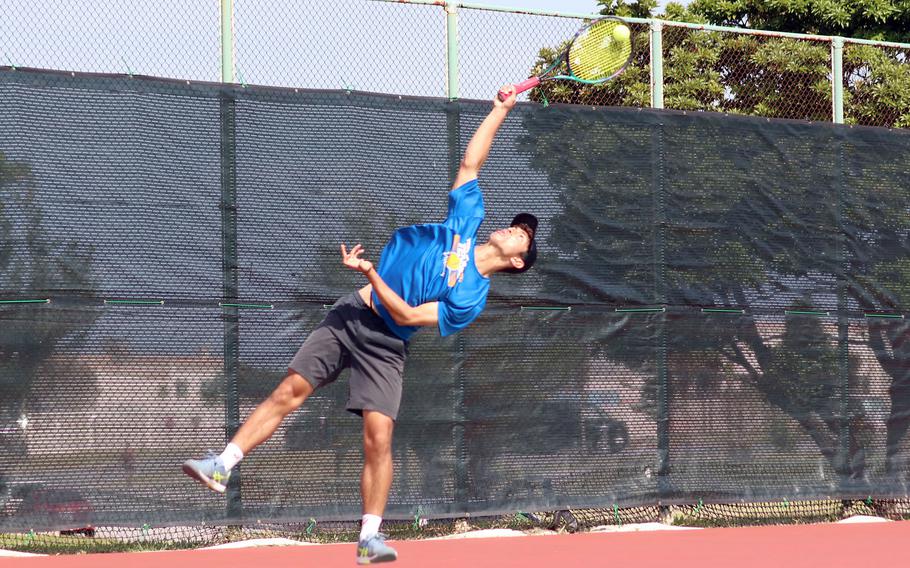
column 179, row 40
column 359, row 45
column 875, row 80
column 402, row 48
column 404, row 53
column 699, row 514
column 746, row 74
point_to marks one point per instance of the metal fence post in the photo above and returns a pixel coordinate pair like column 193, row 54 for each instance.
column 227, row 41
column 453, row 127
column 837, row 79
column 230, row 315
column 657, row 64
column 231, row 288
column 658, row 171
column 452, row 49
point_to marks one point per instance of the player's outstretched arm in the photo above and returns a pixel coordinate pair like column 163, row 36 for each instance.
column 479, row 147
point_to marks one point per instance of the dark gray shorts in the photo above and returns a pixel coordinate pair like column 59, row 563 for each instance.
column 353, row 336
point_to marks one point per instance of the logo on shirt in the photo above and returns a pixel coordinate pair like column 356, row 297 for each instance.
column 456, row 260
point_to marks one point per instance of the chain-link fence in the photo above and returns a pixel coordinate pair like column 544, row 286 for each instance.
column 423, row 49
column 176, row 39
column 437, row 49
column 129, row 256
column 873, row 75
column 360, row 45
column 746, row 74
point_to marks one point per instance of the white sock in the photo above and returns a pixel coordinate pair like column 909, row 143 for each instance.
column 231, row 456
column 369, row 526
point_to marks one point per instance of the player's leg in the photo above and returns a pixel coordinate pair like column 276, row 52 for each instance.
column 214, row 470
column 375, row 483
column 376, row 480
column 377, row 369
column 319, row 361
column 262, row 423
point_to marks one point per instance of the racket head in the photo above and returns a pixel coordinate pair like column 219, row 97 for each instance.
column 599, row 51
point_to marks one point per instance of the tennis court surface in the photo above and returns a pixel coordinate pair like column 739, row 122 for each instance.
column 797, row 546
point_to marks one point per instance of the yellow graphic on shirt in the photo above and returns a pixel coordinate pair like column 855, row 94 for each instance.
column 456, row 260
column 453, row 262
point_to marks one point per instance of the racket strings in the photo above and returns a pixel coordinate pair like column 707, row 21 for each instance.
column 599, row 51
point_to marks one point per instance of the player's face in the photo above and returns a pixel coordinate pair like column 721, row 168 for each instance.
column 512, row 241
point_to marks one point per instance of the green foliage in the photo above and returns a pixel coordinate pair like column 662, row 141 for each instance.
column 877, row 85
column 870, row 19
column 897, row 272
column 757, row 75
column 624, row 9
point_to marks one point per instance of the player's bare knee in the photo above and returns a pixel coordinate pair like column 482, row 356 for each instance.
column 282, row 396
column 377, row 449
column 377, row 442
column 292, row 391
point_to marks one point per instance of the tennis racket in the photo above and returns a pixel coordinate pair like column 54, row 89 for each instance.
column 600, row 51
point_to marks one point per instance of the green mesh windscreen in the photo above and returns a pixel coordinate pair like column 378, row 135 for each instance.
column 716, row 314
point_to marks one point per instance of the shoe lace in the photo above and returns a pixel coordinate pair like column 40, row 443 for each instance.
column 378, row 537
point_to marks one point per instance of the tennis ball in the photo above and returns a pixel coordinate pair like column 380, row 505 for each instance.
column 621, row 32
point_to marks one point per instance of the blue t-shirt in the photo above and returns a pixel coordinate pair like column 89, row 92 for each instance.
column 435, row 263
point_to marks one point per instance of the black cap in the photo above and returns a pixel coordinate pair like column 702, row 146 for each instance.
column 530, row 256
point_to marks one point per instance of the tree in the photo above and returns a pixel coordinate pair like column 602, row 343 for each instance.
column 34, row 263
column 867, row 19
column 879, row 272
column 749, row 214
column 744, row 74
column 877, row 80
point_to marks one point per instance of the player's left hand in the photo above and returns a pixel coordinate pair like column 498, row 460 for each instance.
column 352, row 259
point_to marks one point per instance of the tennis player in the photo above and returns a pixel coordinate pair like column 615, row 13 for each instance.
column 428, row 275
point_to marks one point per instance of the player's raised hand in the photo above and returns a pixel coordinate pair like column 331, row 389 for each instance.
column 505, row 97
column 352, row 259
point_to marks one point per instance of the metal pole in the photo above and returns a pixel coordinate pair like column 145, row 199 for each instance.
column 227, row 41
column 230, row 288
column 452, row 49
column 837, row 79
column 657, row 64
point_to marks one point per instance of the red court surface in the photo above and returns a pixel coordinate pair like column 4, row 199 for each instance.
column 823, row 546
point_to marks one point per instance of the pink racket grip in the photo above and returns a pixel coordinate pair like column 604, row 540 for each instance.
column 520, row 87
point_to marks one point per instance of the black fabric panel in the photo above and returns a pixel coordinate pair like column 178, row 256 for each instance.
column 717, row 311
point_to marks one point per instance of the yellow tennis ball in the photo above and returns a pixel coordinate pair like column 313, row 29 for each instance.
column 621, row 32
